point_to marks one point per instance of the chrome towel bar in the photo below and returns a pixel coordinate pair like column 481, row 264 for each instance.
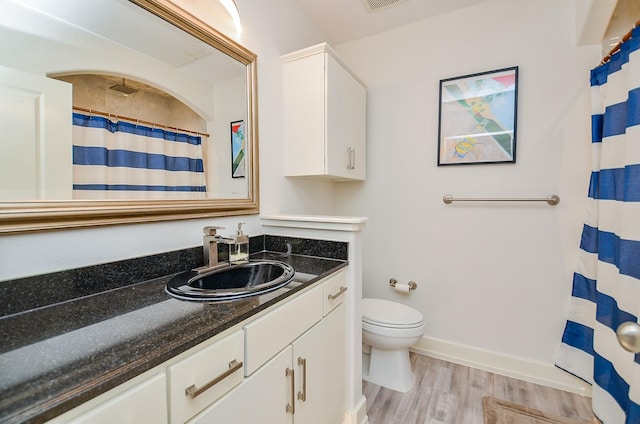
column 552, row 199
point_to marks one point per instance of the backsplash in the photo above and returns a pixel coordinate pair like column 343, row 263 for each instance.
column 42, row 290
column 307, row 247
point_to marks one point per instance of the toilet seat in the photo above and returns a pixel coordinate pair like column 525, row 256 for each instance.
column 387, row 314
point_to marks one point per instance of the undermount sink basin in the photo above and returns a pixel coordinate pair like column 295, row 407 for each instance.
column 231, row 282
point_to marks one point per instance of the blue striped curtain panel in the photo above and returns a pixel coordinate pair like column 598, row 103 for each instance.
column 606, row 284
column 123, row 160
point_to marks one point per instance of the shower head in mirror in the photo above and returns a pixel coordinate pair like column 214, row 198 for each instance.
column 123, row 89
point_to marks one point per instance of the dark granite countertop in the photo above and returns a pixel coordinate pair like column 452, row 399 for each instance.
column 56, row 355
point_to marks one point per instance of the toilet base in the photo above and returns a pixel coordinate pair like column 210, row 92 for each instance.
column 390, row 368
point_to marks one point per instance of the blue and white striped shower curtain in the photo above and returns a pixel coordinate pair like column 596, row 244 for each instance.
column 606, row 285
column 114, row 160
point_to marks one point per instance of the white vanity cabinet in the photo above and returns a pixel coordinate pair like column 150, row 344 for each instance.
column 304, row 381
column 286, row 365
column 324, row 116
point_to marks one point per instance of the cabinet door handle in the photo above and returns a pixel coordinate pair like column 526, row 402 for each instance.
column 291, row 407
column 302, row 395
column 192, row 391
column 351, row 158
column 337, row 295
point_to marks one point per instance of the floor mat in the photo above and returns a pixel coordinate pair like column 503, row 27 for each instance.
column 497, row 411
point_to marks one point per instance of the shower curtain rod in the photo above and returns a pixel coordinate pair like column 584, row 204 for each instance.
column 137, row 121
column 617, row 46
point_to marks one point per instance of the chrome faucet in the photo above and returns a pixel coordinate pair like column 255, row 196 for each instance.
column 210, row 241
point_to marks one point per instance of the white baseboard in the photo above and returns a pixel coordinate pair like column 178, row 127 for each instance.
column 358, row 415
column 499, row 363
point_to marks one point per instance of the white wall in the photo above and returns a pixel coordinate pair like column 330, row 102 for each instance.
column 229, row 107
column 491, row 276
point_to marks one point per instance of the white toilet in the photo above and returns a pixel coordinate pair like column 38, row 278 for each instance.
column 390, row 328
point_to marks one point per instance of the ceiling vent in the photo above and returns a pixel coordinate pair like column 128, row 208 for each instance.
column 374, row 5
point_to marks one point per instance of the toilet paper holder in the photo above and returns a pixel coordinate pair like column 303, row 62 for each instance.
column 412, row 285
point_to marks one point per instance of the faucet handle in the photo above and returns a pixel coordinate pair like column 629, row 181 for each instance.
column 211, row 230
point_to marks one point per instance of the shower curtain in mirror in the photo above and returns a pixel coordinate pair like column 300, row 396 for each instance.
column 113, row 160
column 606, row 285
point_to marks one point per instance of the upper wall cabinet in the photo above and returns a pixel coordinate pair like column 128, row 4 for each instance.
column 324, row 116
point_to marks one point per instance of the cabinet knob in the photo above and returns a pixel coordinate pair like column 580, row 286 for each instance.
column 628, row 334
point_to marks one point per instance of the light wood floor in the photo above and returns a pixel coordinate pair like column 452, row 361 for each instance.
column 450, row 393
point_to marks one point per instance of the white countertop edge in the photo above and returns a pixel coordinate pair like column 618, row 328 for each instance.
column 341, row 223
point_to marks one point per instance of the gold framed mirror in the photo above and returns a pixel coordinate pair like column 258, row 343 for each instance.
column 150, row 34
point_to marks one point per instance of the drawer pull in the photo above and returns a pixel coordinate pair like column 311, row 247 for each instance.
column 351, row 158
column 192, row 391
column 302, row 395
column 291, row 407
column 337, row 295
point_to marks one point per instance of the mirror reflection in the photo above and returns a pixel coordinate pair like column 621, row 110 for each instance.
column 143, row 65
column 103, row 100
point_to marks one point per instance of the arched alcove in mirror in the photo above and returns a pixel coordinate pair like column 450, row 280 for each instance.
column 132, row 140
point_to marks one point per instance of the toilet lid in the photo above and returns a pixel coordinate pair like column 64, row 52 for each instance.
column 389, row 314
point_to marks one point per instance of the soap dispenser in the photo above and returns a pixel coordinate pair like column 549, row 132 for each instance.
column 240, row 248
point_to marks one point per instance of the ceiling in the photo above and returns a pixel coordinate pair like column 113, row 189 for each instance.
column 347, row 20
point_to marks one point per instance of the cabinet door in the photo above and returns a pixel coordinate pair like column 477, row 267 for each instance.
column 346, row 123
column 304, row 108
column 36, row 121
column 261, row 398
column 319, row 359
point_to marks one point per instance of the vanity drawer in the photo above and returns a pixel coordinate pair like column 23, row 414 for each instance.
column 145, row 402
column 271, row 333
column 203, row 377
column 335, row 291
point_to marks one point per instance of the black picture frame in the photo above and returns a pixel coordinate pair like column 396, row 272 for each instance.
column 478, row 118
column 238, row 149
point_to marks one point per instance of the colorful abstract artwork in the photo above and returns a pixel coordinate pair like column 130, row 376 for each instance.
column 478, row 118
column 237, row 149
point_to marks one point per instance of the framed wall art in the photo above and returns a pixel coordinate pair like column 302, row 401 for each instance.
column 237, row 149
column 477, row 119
